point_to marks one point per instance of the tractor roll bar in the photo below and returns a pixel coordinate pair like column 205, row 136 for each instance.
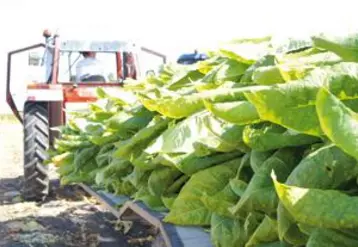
column 9, row 98
column 155, row 53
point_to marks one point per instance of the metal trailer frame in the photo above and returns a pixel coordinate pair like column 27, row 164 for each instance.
column 166, row 234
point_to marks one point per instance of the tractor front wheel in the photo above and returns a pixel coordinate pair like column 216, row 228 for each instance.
column 36, row 144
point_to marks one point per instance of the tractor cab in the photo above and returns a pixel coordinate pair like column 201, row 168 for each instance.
column 120, row 60
column 52, row 68
column 54, row 86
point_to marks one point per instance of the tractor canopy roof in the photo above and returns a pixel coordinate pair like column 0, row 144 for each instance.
column 97, row 46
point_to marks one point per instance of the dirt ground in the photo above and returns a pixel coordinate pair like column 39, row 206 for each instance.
column 68, row 218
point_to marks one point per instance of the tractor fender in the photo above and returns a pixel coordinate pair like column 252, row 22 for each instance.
column 47, row 95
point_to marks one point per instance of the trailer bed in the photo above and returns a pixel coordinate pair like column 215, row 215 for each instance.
column 167, row 235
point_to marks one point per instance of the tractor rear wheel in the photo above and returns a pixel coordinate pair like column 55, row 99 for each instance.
column 36, row 144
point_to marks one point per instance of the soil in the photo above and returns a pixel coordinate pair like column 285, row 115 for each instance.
column 69, row 217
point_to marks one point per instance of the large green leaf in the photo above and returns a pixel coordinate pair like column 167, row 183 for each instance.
column 288, row 105
column 117, row 96
column 176, row 186
column 239, row 112
column 290, row 66
column 245, row 172
column 104, row 155
column 345, row 46
column 152, row 201
column 207, row 65
column 161, row 178
column 188, row 208
column 229, row 141
column 314, row 57
column 116, row 169
column 168, row 200
column 145, row 162
column 72, row 145
column 185, row 133
column 317, row 207
column 325, row 168
column 132, row 147
column 138, row 178
column 63, row 158
column 83, row 156
column 280, row 73
column 221, row 201
column 252, row 222
column 227, row 232
column 179, row 106
column 184, row 79
column 246, row 50
column 65, row 169
column 128, row 122
column 85, row 174
column 292, row 105
column 260, row 193
column 274, row 244
column 105, row 138
column 201, row 130
column 238, row 186
column 174, row 107
column 190, row 163
column 122, row 187
column 258, row 158
column 321, row 237
column 338, row 122
column 265, row 233
column 228, row 70
column 262, row 62
column 266, row 136
column 290, row 44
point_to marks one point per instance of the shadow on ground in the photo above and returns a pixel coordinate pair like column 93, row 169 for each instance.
column 76, row 226
column 11, row 188
column 11, row 183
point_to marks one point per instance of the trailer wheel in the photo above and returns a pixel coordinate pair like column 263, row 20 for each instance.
column 36, row 144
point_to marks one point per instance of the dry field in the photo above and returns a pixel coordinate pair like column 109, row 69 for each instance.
column 68, row 218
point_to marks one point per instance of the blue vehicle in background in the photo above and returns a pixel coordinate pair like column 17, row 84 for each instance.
column 186, row 59
column 191, row 58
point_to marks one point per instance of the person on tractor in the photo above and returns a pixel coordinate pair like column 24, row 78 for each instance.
column 90, row 69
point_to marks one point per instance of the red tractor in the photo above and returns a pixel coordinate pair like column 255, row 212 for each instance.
column 45, row 101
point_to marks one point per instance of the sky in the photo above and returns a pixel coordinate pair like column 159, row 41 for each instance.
column 169, row 26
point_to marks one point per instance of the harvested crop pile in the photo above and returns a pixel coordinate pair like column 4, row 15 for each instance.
column 259, row 143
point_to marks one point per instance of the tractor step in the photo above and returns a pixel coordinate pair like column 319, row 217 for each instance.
column 167, row 235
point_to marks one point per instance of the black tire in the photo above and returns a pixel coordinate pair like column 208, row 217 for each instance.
column 36, row 144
